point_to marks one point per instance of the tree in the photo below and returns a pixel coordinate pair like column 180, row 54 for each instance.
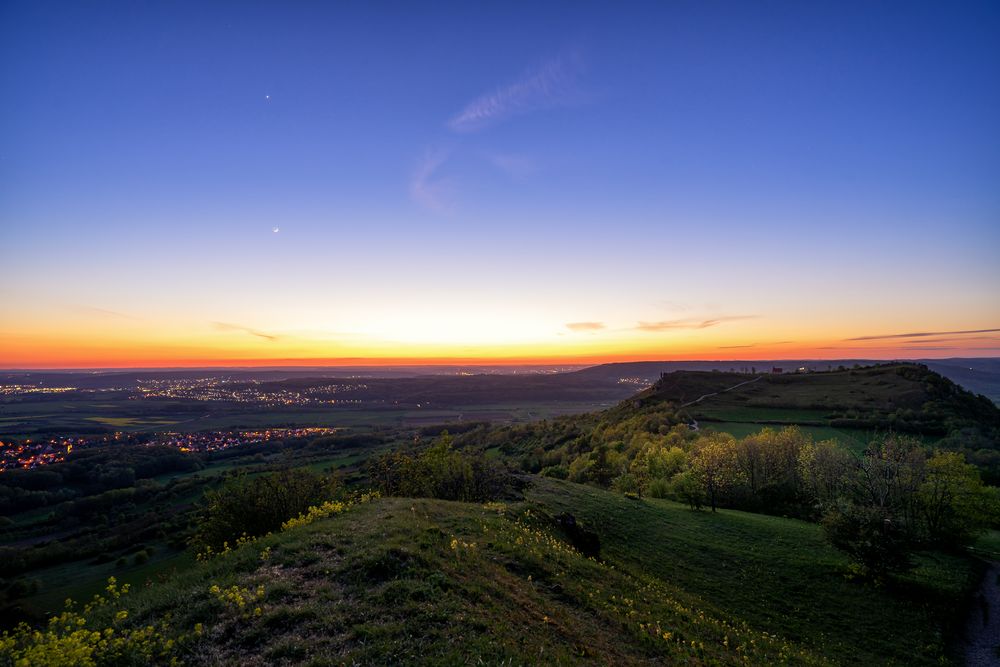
column 258, row 505
column 896, row 498
column 654, row 461
column 714, row 463
column 889, row 474
column 825, row 468
column 687, row 487
column 954, row 503
column 602, row 467
column 870, row 536
column 440, row 472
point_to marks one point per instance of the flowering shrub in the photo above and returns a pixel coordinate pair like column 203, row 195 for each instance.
column 239, row 599
column 209, row 553
column 75, row 638
column 327, row 509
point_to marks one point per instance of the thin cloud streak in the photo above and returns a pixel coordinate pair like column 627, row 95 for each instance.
column 924, row 334
column 964, row 339
column 585, row 326
column 777, row 342
column 951, row 347
column 551, row 85
column 429, row 190
column 669, row 325
column 226, row 326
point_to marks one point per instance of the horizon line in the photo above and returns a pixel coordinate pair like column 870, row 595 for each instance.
column 459, row 362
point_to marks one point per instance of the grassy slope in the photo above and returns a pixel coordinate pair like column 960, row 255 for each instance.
column 808, row 396
column 777, row 574
column 80, row 579
column 385, row 583
column 813, row 399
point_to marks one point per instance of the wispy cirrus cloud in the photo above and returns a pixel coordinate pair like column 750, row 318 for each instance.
column 960, row 339
column 669, row 325
column 924, row 334
column 226, row 326
column 733, row 347
column 952, row 347
column 585, row 326
column 553, row 84
column 428, row 188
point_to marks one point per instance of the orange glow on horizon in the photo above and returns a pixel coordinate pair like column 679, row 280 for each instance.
column 94, row 343
column 757, row 354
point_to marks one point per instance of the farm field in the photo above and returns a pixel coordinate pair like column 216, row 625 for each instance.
column 29, row 419
column 853, row 439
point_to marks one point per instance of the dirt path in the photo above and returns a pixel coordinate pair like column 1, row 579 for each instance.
column 982, row 630
column 716, row 393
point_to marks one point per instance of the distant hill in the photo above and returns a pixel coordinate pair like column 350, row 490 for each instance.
column 978, row 375
column 851, row 405
column 981, row 376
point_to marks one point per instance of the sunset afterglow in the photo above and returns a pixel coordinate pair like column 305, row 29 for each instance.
column 328, row 185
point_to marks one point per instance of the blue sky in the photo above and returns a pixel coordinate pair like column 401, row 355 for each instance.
column 523, row 165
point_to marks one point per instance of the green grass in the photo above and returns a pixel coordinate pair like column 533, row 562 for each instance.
column 401, row 581
column 988, row 545
column 758, row 414
column 776, row 574
column 81, row 580
column 853, row 439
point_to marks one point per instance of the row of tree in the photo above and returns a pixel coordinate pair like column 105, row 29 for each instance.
column 894, row 497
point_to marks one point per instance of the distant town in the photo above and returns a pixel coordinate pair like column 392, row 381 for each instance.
column 35, row 453
column 216, row 389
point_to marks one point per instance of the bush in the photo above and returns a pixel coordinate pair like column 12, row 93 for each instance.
column 82, row 637
column 626, row 483
column 440, row 472
column 870, row 537
column 659, row 488
column 259, row 505
column 556, row 472
column 687, row 488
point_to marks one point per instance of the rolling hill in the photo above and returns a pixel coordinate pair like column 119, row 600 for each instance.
column 907, row 398
column 418, row 581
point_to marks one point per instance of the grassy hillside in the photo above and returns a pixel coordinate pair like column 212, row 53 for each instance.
column 404, row 581
column 900, row 397
column 778, row 575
